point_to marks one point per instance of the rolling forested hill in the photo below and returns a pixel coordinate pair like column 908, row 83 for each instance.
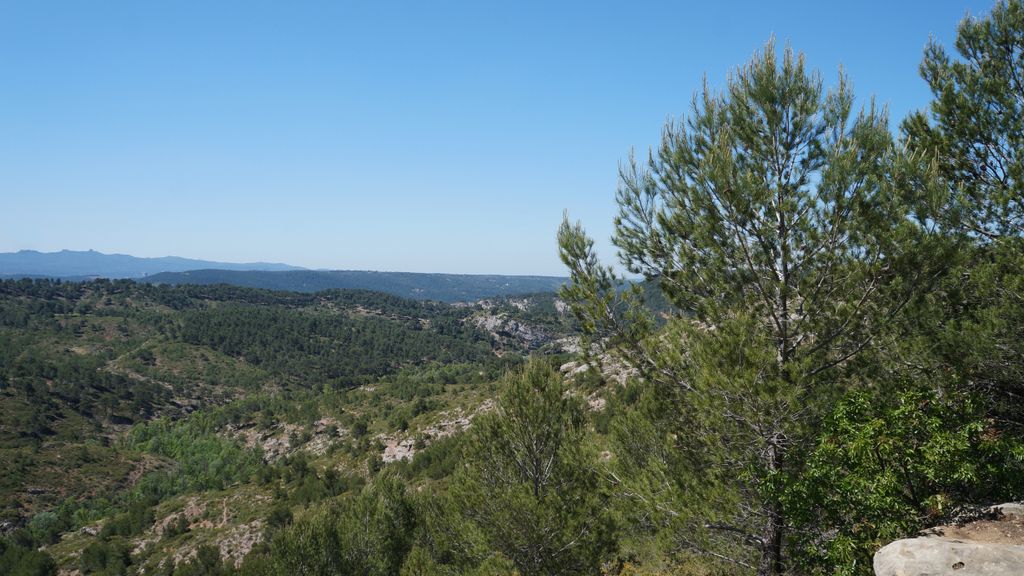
column 98, row 381
column 439, row 287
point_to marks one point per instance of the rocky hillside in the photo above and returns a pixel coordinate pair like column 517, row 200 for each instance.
column 82, row 364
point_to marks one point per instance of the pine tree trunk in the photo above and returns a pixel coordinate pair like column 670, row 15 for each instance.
column 770, row 563
column 771, row 552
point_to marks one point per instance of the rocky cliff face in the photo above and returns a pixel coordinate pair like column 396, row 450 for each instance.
column 993, row 546
column 510, row 331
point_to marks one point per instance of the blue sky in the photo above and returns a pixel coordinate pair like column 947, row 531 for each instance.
column 416, row 136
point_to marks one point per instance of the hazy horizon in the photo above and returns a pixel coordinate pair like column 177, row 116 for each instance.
column 407, row 137
column 294, row 268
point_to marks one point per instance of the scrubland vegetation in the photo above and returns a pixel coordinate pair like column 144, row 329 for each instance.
column 826, row 354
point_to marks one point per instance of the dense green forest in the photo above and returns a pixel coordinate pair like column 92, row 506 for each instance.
column 826, row 354
column 420, row 286
column 118, row 398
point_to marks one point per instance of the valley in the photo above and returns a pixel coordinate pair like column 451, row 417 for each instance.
column 159, row 419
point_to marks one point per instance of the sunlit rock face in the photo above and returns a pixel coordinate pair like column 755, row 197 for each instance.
column 993, row 546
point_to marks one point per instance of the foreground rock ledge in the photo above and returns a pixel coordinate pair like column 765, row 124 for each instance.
column 982, row 548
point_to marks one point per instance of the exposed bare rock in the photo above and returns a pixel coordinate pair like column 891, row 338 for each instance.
column 573, row 369
column 318, row 445
column 612, row 369
column 510, row 330
column 395, row 450
column 571, row 344
column 595, row 356
column 278, row 442
column 937, row 556
column 521, row 304
column 987, row 547
column 192, row 512
column 233, row 543
column 561, row 307
column 274, row 444
column 239, row 541
column 404, row 448
column 484, row 407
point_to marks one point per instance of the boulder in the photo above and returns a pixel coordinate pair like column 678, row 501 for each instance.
column 933, row 556
column 989, row 547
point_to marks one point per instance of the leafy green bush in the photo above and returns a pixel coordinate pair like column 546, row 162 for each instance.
column 886, row 468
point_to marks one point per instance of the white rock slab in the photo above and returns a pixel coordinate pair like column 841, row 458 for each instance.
column 933, row 556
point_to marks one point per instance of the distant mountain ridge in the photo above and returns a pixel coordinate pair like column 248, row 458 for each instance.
column 78, row 265
column 419, row 286
column 89, row 264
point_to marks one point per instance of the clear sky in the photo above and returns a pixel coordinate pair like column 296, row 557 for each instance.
column 426, row 136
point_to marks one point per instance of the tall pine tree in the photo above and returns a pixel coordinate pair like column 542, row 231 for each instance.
column 772, row 219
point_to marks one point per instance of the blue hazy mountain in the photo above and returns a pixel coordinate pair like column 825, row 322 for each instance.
column 71, row 264
column 419, row 286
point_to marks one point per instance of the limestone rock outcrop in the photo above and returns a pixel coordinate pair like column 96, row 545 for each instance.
column 992, row 546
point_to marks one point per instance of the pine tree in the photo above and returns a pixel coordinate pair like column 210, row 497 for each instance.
column 976, row 132
column 773, row 220
column 531, row 485
column 974, row 129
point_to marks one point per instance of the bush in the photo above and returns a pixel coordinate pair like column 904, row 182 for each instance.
column 886, row 468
